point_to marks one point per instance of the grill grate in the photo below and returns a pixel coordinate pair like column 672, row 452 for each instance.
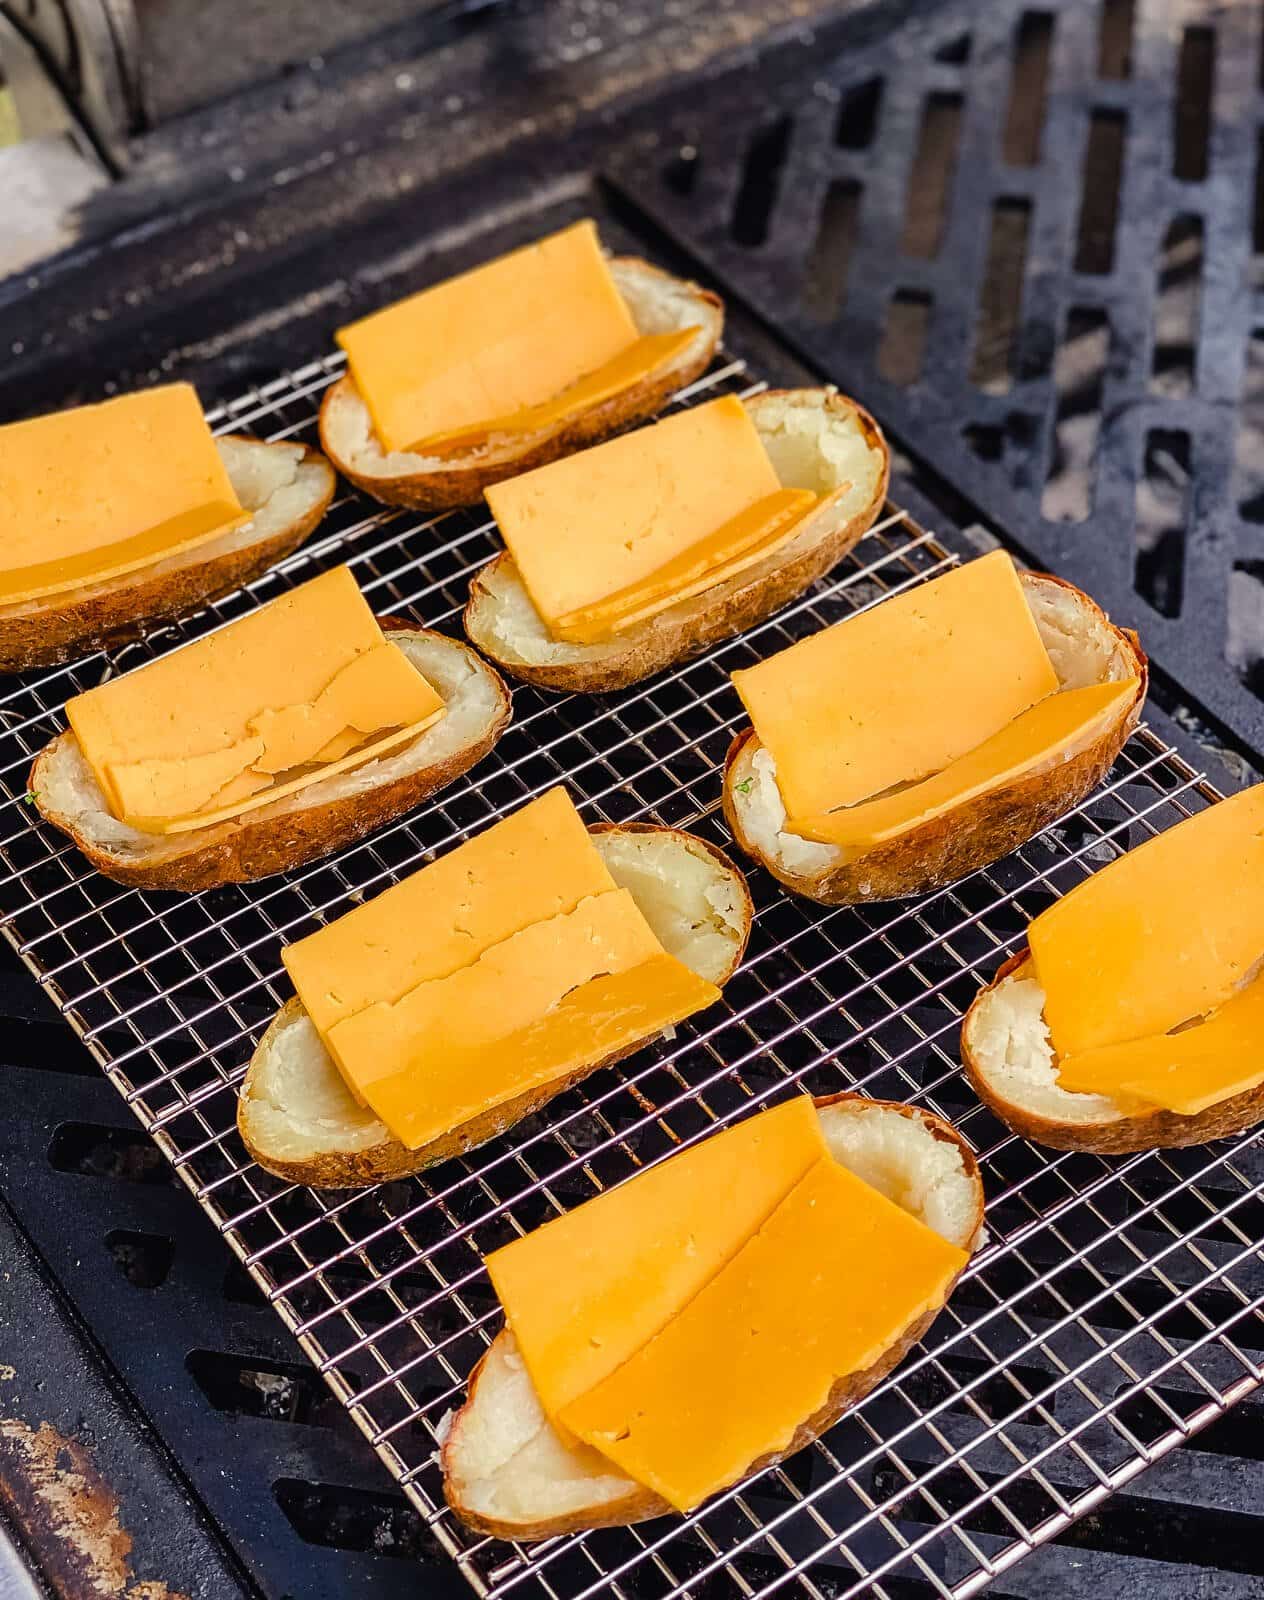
column 1114, row 1311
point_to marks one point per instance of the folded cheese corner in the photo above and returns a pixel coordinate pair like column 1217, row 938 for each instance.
column 510, row 964
column 98, row 491
column 303, row 688
column 690, row 1323
column 517, row 345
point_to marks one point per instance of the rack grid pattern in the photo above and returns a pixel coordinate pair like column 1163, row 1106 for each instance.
column 1114, row 1309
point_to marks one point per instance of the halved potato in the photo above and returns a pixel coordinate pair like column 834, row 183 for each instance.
column 1085, row 648
column 288, row 488
column 817, row 439
column 324, row 817
column 658, row 302
column 299, row 1120
column 508, row 1473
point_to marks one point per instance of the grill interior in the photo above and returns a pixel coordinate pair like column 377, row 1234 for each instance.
column 1113, row 1312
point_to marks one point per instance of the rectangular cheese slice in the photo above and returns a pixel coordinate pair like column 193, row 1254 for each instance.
column 259, row 699
column 1034, row 739
column 831, row 1280
column 547, row 1002
column 900, row 691
column 1185, row 1071
column 1165, row 933
column 592, row 525
column 534, row 864
column 490, row 342
column 718, row 556
column 585, row 1292
column 99, row 491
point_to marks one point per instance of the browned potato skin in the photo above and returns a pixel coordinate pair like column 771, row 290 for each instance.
column 1121, row 1135
column 694, row 625
column 643, row 1504
column 260, row 844
column 464, row 475
column 948, row 848
column 112, row 615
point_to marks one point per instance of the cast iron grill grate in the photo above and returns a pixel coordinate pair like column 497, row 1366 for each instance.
column 1115, row 1310
column 1030, row 235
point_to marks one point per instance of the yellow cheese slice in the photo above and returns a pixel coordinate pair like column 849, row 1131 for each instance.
column 264, row 694
column 490, row 342
column 534, row 864
column 550, row 1000
column 100, row 491
column 588, row 527
column 650, row 352
column 585, row 1292
column 1163, row 934
column 833, row 1277
column 715, row 558
column 1034, row 739
column 900, row 691
column 1185, row 1071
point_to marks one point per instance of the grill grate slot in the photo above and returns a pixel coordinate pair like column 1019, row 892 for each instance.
column 1114, row 1310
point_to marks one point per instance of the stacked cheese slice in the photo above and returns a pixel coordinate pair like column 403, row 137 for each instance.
column 1150, row 968
column 914, row 707
column 303, row 688
column 689, row 1323
column 513, row 347
column 100, row 491
column 511, row 964
column 615, row 534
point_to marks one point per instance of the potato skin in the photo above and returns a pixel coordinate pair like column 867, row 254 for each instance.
column 945, row 849
column 260, row 845
column 1123, row 1134
column 113, row 615
column 694, row 625
column 391, row 1159
column 466, row 474
column 642, row 1504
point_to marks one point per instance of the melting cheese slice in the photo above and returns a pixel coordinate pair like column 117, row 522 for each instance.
column 550, row 1000
column 1186, row 1071
column 589, row 527
column 829, row 1281
column 586, row 1291
column 242, row 717
column 1037, row 738
column 537, row 863
column 490, row 343
column 900, row 691
column 1165, row 933
column 731, row 549
column 103, row 490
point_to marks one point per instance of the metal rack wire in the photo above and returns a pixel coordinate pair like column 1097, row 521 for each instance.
column 1114, row 1310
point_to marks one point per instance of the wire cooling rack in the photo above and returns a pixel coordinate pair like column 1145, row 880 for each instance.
column 1114, row 1310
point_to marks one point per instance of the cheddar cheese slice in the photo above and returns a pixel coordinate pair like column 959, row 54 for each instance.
column 829, row 1282
column 244, row 716
column 1025, row 745
column 588, row 528
column 103, row 490
column 720, row 555
column 535, row 864
column 487, row 347
column 586, row 1291
column 900, row 691
column 1185, row 1071
column 1164, row 934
